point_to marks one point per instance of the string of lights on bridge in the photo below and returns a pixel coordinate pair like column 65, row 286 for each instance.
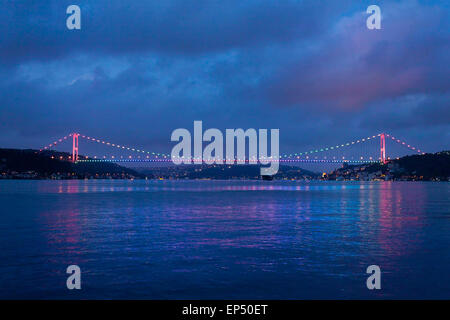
column 55, row 143
column 292, row 157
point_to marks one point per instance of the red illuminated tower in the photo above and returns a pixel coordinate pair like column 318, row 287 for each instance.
column 75, row 147
column 382, row 148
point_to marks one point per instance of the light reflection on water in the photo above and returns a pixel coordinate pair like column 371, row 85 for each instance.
column 224, row 239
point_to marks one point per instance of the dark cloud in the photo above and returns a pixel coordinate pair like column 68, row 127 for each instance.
column 354, row 66
column 32, row 31
column 421, row 112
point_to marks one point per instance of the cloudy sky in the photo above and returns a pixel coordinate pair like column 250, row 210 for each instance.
column 138, row 69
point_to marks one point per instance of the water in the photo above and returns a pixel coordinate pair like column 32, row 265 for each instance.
column 224, row 239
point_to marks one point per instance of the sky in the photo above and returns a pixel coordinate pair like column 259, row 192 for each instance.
column 137, row 70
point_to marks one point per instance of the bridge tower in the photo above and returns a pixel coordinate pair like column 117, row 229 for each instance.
column 75, row 147
column 383, row 148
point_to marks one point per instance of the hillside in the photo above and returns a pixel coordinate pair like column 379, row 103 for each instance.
column 427, row 167
column 32, row 164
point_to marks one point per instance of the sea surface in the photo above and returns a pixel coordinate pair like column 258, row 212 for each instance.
column 224, row 239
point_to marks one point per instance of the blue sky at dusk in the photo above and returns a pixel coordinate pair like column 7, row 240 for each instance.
column 137, row 70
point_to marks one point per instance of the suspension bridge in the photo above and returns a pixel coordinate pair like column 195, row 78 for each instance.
column 338, row 153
